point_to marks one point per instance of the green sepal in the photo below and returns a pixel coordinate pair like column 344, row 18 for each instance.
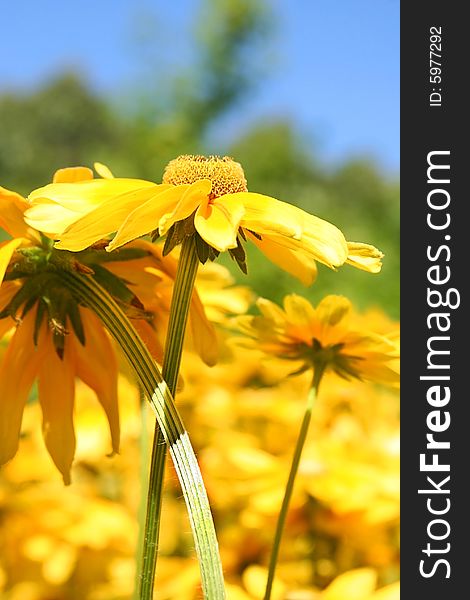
column 238, row 254
column 202, row 249
column 73, row 313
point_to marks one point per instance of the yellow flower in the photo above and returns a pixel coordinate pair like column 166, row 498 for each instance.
column 324, row 338
column 37, row 350
column 53, row 340
column 202, row 196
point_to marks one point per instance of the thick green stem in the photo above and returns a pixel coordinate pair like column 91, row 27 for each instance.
column 281, row 520
column 174, row 433
column 180, row 303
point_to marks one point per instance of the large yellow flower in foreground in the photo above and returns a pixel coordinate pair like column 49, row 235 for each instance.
column 53, row 340
column 325, row 337
column 202, row 196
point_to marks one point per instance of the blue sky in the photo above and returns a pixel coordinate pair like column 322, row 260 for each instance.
column 333, row 65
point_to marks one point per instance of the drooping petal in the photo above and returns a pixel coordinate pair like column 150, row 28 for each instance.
column 195, row 195
column 6, row 252
column 56, row 388
column 145, row 218
column 18, row 370
column 324, row 241
column 296, row 262
column 264, row 214
column 96, row 365
column 217, row 221
column 72, row 175
column 12, row 207
column 293, row 228
column 150, row 338
column 105, row 219
column 364, row 257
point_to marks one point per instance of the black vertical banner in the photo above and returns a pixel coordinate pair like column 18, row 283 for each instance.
column 435, row 393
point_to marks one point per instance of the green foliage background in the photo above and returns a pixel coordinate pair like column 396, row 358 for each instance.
column 65, row 123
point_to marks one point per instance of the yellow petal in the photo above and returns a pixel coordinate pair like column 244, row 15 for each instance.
column 103, row 171
column 50, row 217
column 145, row 218
column 299, row 311
column 324, row 241
column 296, row 262
column 217, row 222
column 17, row 372
column 72, row 175
column 6, row 252
column 332, row 309
column 105, row 219
column 293, row 228
column 56, row 389
column 364, row 257
column 271, row 311
column 353, row 585
column 12, row 207
column 97, row 366
column 195, row 195
column 83, row 196
column 268, row 215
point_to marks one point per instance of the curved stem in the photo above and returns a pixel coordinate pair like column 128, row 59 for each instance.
column 180, row 303
column 281, row 520
column 174, row 433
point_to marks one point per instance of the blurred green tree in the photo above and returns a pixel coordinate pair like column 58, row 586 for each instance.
column 65, row 123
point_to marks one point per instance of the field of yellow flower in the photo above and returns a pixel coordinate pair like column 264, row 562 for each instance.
column 284, row 440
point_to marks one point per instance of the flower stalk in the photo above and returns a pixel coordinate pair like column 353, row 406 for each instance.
column 180, row 303
column 176, row 437
column 281, row 520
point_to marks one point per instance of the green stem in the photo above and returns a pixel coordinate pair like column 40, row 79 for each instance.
column 281, row 520
column 180, row 303
column 174, row 433
column 143, row 477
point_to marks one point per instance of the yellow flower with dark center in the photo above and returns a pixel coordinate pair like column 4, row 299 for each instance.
column 53, row 340
column 325, row 338
column 204, row 197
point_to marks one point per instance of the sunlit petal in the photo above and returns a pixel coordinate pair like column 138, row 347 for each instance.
column 103, row 170
column 268, row 215
column 296, row 262
column 217, row 222
column 196, row 194
column 72, row 175
column 145, row 218
column 105, row 219
column 364, row 257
